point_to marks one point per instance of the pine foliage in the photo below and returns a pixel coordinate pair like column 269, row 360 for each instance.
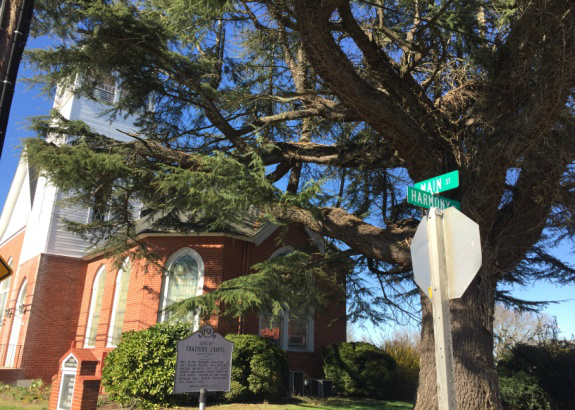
column 320, row 113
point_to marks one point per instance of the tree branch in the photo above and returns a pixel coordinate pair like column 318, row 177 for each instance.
column 389, row 245
column 375, row 107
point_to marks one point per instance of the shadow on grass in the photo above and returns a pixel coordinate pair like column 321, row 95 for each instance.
column 350, row 404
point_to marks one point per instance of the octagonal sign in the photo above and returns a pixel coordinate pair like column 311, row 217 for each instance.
column 420, row 257
column 462, row 252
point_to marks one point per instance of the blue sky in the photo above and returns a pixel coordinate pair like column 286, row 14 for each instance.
column 28, row 102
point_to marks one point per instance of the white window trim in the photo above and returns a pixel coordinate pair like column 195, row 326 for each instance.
column 284, row 250
column 166, row 280
column 111, row 330
column 93, row 306
column 90, row 218
column 284, row 332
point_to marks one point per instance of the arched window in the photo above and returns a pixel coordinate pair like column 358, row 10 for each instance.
column 183, row 279
column 95, row 308
column 4, row 289
column 291, row 331
column 119, row 306
column 12, row 355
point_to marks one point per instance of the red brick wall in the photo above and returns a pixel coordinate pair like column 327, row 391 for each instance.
column 145, row 285
column 326, row 331
column 86, row 384
column 53, row 315
column 25, row 272
column 62, row 289
column 10, row 249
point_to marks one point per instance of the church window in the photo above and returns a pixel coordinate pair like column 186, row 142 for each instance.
column 95, row 308
column 184, row 278
column 99, row 210
column 119, row 306
column 292, row 330
column 106, row 91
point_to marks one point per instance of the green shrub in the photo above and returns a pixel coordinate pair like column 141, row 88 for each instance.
column 258, row 369
column 359, row 369
column 550, row 365
column 141, row 370
column 523, row 391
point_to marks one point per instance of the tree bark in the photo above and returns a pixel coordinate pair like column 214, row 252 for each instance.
column 8, row 23
column 471, row 326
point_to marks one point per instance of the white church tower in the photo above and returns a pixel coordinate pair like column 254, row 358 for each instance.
column 40, row 251
column 32, row 202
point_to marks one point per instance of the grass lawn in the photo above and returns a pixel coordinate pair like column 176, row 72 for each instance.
column 330, row 404
column 14, row 398
column 7, row 402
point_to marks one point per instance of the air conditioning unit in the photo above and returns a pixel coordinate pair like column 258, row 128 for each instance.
column 296, row 383
column 319, row 388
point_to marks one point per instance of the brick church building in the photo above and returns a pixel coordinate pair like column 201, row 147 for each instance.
column 62, row 311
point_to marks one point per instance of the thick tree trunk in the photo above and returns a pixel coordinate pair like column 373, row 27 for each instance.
column 471, row 326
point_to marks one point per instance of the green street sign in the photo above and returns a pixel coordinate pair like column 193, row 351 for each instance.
column 427, row 200
column 440, row 183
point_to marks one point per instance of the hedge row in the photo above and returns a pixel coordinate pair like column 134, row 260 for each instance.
column 141, row 370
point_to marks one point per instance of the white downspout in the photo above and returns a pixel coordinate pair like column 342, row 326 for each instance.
column 13, row 194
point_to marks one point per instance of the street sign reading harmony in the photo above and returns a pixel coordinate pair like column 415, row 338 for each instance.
column 5, row 269
column 427, row 200
column 204, row 361
column 440, row 183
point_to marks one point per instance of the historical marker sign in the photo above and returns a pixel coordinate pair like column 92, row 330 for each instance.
column 440, row 183
column 204, row 361
column 5, row 269
column 427, row 200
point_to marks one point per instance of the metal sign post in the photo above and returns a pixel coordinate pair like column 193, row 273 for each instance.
column 202, row 399
column 441, row 316
column 446, row 256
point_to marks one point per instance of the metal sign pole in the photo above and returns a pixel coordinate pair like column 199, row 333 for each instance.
column 202, row 399
column 441, row 316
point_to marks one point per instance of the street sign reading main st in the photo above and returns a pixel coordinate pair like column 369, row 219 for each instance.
column 439, row 183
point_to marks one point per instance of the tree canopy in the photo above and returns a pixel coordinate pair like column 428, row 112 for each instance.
column 320, row 113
